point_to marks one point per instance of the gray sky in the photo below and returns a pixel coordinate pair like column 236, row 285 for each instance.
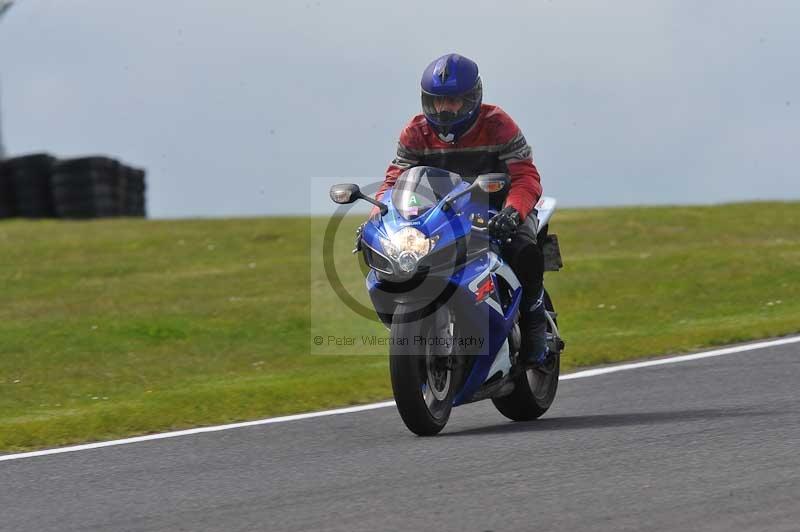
column 234, row 106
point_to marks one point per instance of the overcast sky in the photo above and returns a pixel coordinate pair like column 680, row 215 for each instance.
column 234, row 106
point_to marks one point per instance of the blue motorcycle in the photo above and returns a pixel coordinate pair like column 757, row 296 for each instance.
column 438, row 283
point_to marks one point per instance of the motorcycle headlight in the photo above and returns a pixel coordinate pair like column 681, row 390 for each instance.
column 407, row 246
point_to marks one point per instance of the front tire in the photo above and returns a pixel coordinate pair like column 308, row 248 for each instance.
column 535, row 389
column 423, row 376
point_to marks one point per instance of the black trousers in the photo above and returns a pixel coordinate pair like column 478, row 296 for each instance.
column 526, row 259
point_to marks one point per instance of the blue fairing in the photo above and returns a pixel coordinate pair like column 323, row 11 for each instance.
column 485, row 318
column 446, row 225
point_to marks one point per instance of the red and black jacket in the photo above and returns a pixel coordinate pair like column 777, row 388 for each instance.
column 493, row 144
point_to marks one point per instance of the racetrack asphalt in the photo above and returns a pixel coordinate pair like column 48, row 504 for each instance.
column 709, row 444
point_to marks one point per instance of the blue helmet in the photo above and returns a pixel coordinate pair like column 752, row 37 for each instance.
column 447, row 82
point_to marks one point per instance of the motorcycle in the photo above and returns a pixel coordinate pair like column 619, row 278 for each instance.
column 438, row 283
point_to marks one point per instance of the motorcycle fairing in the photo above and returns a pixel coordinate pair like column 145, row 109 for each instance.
column 435, row 222
column 544, row 210
column 489, row 320
column 485, row 317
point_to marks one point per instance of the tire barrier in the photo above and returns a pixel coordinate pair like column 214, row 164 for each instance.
column 6, row 192
column 135, row 192
column 87, row 187
column 30, row 181
column 40, row 186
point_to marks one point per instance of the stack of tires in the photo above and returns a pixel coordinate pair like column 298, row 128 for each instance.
column 28, row 185
column 6, row 192
column 40, row 186
column 88, row 187
column 134, row 198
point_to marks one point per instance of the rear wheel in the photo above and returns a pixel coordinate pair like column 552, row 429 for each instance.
column 423, row 375
column 534, row 390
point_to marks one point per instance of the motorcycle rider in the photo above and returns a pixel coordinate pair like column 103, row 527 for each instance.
column 459, row 133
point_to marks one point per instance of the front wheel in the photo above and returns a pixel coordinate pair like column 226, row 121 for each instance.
column 421, row 364
column 535, row 389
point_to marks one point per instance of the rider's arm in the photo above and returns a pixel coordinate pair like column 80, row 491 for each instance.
column 526, row 187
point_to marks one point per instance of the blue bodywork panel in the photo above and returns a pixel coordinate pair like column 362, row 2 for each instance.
column 475, row 285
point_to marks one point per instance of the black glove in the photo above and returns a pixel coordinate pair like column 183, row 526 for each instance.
column 504, row 224
column 359, row 232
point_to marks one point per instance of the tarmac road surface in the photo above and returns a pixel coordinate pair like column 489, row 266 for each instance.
column 709, row 444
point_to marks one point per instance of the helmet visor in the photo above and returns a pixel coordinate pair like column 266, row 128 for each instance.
column 449, row 110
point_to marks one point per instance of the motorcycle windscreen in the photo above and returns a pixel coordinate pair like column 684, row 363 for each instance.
column 419, row 189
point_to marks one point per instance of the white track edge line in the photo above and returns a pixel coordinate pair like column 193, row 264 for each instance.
column 681, row 358
column 374, row 406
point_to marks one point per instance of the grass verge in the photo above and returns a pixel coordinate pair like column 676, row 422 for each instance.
column 120, row 327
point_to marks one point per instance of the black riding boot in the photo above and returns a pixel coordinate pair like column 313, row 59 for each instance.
column 533, row 326
column 527, row 261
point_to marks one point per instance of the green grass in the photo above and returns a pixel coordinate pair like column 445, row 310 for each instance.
column 113, row 328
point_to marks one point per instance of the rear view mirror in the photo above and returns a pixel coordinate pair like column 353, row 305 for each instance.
column 491, row 183
column 349, row 192
column 345, row 193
